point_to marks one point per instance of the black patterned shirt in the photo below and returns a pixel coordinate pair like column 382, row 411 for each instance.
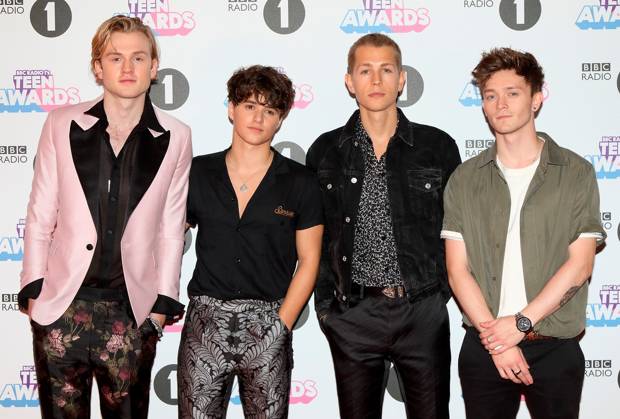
column 375, row 262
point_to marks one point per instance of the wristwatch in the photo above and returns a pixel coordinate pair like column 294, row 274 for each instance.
column 524, row 324
column 156, row 326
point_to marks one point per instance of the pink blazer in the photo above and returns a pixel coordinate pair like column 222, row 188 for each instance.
column 60, row 233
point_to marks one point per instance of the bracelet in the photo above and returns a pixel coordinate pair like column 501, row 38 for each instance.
column 157, row 327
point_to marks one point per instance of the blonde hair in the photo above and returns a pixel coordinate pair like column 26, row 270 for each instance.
column 122, row 24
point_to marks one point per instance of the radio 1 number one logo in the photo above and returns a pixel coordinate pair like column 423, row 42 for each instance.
column 171, row 90
column 520, row 15
column 50, row 18
column 284, row 16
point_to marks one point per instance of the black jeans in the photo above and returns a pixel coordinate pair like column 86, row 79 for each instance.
column 415, row 337
column 557, row 367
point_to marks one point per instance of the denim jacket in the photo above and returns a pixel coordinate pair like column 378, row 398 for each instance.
column 419, row 161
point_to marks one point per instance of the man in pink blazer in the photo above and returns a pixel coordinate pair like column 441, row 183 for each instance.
column 104, row 234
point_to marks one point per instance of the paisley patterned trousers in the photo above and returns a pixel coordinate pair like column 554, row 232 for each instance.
column 94, row 338
column 224, row 339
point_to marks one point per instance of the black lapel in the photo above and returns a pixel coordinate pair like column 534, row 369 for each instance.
column 85, row 151
column 149, row 153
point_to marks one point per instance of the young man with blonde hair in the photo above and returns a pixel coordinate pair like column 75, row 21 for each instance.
column 382, row 288
column 104, row 234
column 521, row 225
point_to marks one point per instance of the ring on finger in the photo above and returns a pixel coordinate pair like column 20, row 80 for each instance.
column 490, row 339
column 517, row 372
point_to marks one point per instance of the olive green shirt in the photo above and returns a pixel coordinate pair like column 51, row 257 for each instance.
column 561, row 203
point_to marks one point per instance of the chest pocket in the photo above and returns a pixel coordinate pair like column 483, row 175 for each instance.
column 331, row 189
column 424, row 190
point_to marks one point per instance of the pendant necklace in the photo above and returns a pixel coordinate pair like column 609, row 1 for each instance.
column 244, row 183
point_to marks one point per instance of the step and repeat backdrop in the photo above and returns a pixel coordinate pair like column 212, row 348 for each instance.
column 45, row 49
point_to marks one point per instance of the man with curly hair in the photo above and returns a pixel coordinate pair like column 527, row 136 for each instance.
column 259, row 215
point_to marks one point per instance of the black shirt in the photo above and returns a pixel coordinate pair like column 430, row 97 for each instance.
column 375, row 261
column 255, row 256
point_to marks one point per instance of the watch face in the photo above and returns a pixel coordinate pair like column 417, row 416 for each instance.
column 524, row 324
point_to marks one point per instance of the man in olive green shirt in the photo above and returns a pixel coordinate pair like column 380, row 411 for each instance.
column 521, row 227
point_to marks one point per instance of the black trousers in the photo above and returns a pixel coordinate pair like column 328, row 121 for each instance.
column 557, row 367
column 100, row 339
column 415, row 337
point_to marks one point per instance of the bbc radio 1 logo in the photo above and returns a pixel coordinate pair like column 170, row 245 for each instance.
column 165, row 387
column 607, row 312
column 389, row 16
column 604, row 15
column 9, row 302
column 237, row 6
column 13, row 154
column 25, row 393
column 471, row 96
column 36, row 91
column 596, row 71
column 607, row 163
column 161, row 17
column 473, row 147
column 607, row 220
column 11, row 7
column 598, row 368
column 12, row 247
column 171, row 90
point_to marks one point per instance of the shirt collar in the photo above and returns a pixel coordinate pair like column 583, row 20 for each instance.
column 147, row 120
column 551, row 153
column 404, row 130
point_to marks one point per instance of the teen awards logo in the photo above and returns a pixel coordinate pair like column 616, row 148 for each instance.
column 302, row 392
column 596, row 71
column 605, row 15
column 24, row 394
column 161, row 17
column 11, row 7
column 36, row 91
column 389, row 16
column 12, row 248
column 607, row 313
column 607, row 163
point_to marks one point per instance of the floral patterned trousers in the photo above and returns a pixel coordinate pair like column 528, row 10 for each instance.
column 100, row 339
column 224, row 339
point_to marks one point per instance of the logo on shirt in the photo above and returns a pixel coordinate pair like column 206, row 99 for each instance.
column 284, row 212
column 389, row 16
column 13, row 154
column 11, row 7
column 607, row 313
column 36, row 91
column 25, row 393
column 9, row 302
column 12, row 247
column 162, row 18
column 595, row 71
column 604, row 15
column 598, row 368
column 607, row 163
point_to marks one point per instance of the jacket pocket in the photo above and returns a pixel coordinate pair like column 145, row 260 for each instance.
column 424, row 190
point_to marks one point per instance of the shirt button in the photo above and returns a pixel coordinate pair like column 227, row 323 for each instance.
column 344, row 258
column 89, row 246
column 353, row 180
column 497, row 245
column 110, row 231
column 427, row 186
column 355, row 144
column 344, row 298
column 238, row 260
column 347, row 220
column 113, row 198
column 494, row 278
column 329, row 186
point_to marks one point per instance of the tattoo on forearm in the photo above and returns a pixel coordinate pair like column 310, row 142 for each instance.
column 569, row 294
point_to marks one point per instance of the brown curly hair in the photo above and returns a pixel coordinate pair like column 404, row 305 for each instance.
column 267, row 84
